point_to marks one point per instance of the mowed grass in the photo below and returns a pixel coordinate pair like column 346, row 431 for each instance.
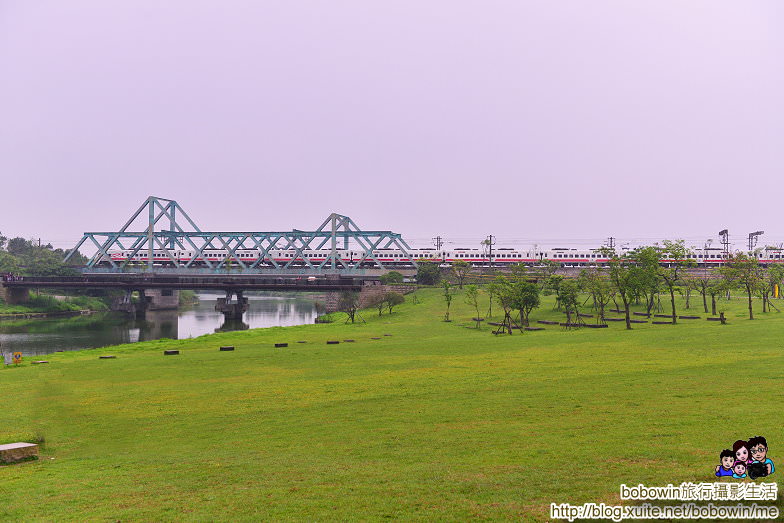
column 437, row 421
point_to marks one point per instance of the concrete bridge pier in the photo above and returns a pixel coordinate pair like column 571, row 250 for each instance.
column 126, row 304
column 13, row 295
column 232, row 309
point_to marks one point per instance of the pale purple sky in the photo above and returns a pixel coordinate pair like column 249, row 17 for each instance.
column 530, row 120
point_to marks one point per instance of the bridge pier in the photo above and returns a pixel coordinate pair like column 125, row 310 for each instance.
column 162, row 299
column 232, row 310
column 126, row 304
column 13, row 295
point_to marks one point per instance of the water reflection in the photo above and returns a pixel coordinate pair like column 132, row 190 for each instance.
column 47, row 335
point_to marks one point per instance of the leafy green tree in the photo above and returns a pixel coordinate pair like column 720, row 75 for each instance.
column 553, row 285
column 677, row 253
column 378, row 301
column 745, row 270
column 349, row 303
column 525, row 298
column 19, row 246
column 623, row 278
column 392, row 277
column 472, row 299
column 393, row 299
column 3, row 239
column 461, row 269
column 716, row 287
column 428, row 273
column 519, row 272
column 8, row 263
column 645, row 276
column 702, row 284
column 448, row 295
column 569, row 294
column 547, row 268
column 503, row 292
column 598, row 285
column 774, row 274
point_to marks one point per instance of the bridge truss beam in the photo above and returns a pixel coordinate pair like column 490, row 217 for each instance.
column 336, row 230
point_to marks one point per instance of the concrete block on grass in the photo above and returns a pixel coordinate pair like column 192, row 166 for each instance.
column 16, row 452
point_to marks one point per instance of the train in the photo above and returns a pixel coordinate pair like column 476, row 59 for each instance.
column 396, row 258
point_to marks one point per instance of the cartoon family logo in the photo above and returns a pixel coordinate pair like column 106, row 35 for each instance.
column 738, row 464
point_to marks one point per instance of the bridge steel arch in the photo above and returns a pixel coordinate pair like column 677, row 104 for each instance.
column 183, row 234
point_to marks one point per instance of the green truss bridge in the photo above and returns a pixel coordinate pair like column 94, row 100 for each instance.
column 168, row 242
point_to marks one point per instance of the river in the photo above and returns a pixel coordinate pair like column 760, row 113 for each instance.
column 41, row 336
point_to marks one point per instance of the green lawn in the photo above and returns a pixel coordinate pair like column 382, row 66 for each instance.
column 437, row 421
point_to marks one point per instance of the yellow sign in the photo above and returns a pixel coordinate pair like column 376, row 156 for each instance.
column 776, row 291
column 17, row 357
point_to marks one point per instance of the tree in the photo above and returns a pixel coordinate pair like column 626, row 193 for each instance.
column 393, row 299
column 428, row 273
column 746, row 271
column 349, row 303
column 3, row 239
column 677, row 253
column 8, row 263
column 378, row 301
column 525, row 298
column 569, row 294
column 461, row 269
column 553, row 284
column 19, row 246
column 448, row 295
column 622, row 277
column 645, row 276
column 502, row 289
column 774, row 274
column 472, row 299
column 519, row 271
column 391, row 277
column 598, row 285
column 548, row 268
column 702, row 284
column 716, row 287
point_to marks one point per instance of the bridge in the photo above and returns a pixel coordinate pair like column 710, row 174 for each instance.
column 158, row 250
column 160, row 291
column 149, row 261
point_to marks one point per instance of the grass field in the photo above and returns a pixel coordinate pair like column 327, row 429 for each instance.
column 436, row 421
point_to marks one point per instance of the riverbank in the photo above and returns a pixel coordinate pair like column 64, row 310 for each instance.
column 415, row 418
column 58, row 314
column 44, row 333
column 45, row 305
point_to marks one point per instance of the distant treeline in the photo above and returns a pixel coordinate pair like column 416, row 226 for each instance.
column 30, row 258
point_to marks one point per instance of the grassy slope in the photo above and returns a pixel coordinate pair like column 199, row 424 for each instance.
column 436, row 421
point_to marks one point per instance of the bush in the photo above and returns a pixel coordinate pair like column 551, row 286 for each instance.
column 391, row 277
column 428, row 273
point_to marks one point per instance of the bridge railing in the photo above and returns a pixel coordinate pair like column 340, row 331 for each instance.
column 173, row 271
column 190, row 282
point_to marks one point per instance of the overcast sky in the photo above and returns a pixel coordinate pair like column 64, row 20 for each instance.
column 529, row 120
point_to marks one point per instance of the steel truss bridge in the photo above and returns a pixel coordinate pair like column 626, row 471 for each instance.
column 336, row 232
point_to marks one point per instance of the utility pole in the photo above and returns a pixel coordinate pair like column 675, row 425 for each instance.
column 490, row 241
column 725, row 241
column 753, row 239
column 438, row 242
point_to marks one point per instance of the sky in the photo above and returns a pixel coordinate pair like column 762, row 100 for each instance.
column 550, row 122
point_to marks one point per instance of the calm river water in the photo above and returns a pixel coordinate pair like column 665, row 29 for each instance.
column 47, row 335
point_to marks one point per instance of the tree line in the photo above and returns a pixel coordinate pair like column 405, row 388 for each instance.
column 30, row 258
column 636, row 277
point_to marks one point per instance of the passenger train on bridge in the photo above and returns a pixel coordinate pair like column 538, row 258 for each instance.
column 395, row 258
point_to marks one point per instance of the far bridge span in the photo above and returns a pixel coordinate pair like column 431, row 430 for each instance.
column 156, row 290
